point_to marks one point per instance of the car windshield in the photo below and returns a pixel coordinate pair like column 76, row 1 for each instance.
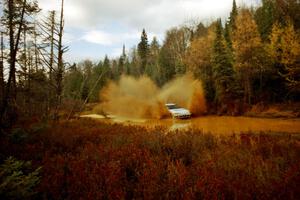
column 173, row 106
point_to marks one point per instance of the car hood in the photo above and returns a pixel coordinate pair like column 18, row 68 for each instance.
column 180, row 111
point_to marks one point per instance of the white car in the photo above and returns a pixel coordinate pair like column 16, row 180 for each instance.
column 178, row 112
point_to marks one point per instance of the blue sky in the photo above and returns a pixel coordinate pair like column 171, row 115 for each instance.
column 94, row 28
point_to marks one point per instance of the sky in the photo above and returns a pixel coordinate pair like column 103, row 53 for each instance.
column 95, row 28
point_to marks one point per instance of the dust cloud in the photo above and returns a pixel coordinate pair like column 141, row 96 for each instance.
column 141, row 98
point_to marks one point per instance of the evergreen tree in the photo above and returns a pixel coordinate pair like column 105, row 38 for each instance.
column 233, row 16
column 264, row 17
column 227, row 35
column 201, row 31
column 135, row 62
column 230, row 25
column 106, row 68
column 153, row 68
column 143, row 51
column 73, row 81
column 223, row 73
column 122, row 60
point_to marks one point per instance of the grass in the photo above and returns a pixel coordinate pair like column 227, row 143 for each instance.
column 86, row 159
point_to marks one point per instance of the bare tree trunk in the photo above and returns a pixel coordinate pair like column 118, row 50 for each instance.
column 60, row 66
column 11, row 92
column 2, row 73
column 29, row 82
column 51, row 60
column 36, row 50
column 26, row 94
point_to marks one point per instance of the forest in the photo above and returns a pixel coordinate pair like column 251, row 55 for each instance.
column 245, row 63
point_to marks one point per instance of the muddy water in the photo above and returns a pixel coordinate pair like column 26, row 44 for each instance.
column 216, row 124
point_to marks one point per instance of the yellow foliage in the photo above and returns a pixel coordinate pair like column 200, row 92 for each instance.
column 246, row 40
column 198, row 56
column 285, row 49
column 284, row 46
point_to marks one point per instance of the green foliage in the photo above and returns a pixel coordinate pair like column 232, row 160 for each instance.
column 143, row 51
column 233, row 16
column 264, row 17
column 223, row 74
column 18, row 136
column 73, row 81
column 17, row 179
column 153, row 68
column 201, row 31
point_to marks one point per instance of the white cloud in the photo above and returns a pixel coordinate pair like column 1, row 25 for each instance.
column 99, row 37
column 111, row 23
column 155, row 15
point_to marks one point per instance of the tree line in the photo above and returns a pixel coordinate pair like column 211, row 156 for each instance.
column 252, row 57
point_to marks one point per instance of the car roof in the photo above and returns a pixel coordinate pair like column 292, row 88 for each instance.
column 170, row 104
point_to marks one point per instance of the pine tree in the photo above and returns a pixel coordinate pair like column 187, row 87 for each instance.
column 135, row 63
column 223, row 73
column 143, row 51
column 264, row 17
column 107, row 68
column 121, row 64
column 153, row 68
column 233, row 16
column 230, row 25
column 201, row 31
column 227, row 35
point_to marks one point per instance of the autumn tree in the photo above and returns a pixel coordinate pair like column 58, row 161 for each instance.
column 173, row 51
column 248, row 51
column 287, row 10
column 285, row 51
column 198, row 61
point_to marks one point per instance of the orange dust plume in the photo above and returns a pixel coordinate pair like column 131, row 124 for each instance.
column 141, row 98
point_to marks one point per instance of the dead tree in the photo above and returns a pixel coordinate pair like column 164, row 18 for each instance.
column 60, row 63
column 2, row 72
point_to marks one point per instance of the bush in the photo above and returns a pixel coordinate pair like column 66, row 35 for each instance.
column 18, row 136
column 17, row 179
column 86, row 159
